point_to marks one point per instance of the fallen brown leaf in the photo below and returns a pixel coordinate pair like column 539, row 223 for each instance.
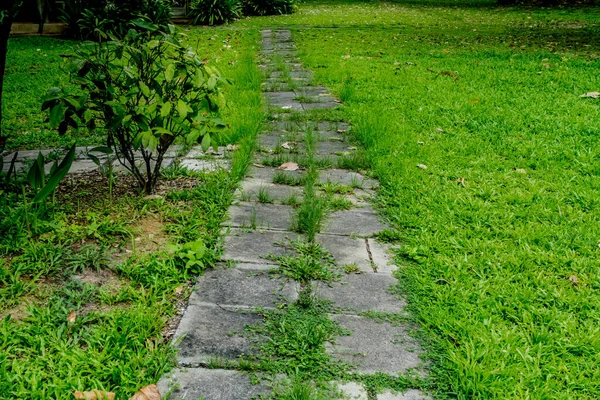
column 289, row 166
column 574, row 280
column 593, row 95
column 448, row 73
column 232, row 147
column 288, row 145
column 520, row 170
column 422, row 166
column 347, row 56
column 149, row 392
column 94, row 395
column 71, row 317
column 461, row 181
column 440, row 130
column 258, row 165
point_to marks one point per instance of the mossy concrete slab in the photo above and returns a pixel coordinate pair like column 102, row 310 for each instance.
column 251, row 187
column 241, row 287
column 206, row 333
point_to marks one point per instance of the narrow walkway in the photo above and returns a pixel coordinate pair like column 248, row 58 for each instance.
column 259, row 228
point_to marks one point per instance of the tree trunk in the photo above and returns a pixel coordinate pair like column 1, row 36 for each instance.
column 6, row 18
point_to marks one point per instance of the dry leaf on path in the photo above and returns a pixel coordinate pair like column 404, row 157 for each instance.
column 289, row 166
column 71, row 317
column 258, row 165
column 593, row 95
column 232, row 147
column 351, row 148
column 520, row 170
column 340, row 131
column 149, row 392
column 288, row 145
column 422, row 166
column 94, row 395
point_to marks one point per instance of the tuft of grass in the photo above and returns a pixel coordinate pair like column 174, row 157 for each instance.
column 282, row 178
column 264, row 196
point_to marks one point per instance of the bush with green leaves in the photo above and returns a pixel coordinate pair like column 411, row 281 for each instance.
column 215, row 12
column 268, row 7
column 145, row 91
column 87, row 18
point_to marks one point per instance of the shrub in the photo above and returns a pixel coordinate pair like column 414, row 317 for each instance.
column 145, row 91
column 268, row 7
column 87, row 18
column 215, row 12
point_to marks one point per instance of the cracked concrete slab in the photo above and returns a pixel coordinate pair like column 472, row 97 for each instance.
column 375, row 346
column 361, row 222
column 410, row 394
column 347, row 250
column 252, row 187
column 255, row 246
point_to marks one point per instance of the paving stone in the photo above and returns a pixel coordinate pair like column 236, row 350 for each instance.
column 353, row 391
column 266, row 33
column 380, row 254
column 18, row 166
column 332, row 147
column 357, row 222
column 261, row 216
column 375, row 346
column 282, row 35
column 205, row 165
column 26, row 155
column 315, row 106
column 313, row 91
column 347, row 250
column 267, row 173
column 207, row 332
column 410, row 394
column 347, row 178
column 255, row 246
column 363, row 292
column 285, row 100
column 77, row 167
column 251, row 187
column 209, row 384
column 241, row 287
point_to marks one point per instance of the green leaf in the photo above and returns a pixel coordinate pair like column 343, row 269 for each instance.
column 182, row 108
column 170, row 72
column 149, row 141
column 205, row 142
column 144, row 25
column 57, row 115
column 165, row 109
column 56, row 176
column 145, row 89
column 36, row 174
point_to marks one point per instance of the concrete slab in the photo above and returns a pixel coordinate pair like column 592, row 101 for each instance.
column 206, row 333
column 410, row 394
column 382, row 259
column 320, row 106
column 353, row 391
column 375, row 346
column 356, row 222
column 267, row 173
column 255, row 246
column 261, row 216
column 363, row 292
column 333, row 147
column 346, row 250
column 209, row 384
column 348, row 178
column 251, row 187
column 205, row 165
column 285, row 100
column 241, row 287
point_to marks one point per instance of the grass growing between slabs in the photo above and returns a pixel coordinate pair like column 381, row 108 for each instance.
column 89, row 283
column 472, row 120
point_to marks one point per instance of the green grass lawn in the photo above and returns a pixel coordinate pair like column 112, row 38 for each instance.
column 499, row 237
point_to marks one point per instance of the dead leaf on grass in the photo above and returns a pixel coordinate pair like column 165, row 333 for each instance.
column 94, row 395
column 422, row 166
column 351, row 148
column 232, row 147
column 347, row 56
column 574, row 280
column 420, row 143
column 149, row 392
column 289, row 166
column 288, row 145
column 440, row 130
column 71, row 317
column 593, row 95
column 461, row 181
column 448, row 73
column 340, row 131
column 520, row 170
column 257, row 165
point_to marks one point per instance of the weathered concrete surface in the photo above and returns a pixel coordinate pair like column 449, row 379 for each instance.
column 353, row 391
column 357, row 222
column 382, row 259
column 209, row 384
column 241, row 287
column 207, row 332
column 206, row 165
column 251, row 187
column 375, row 346
column 261, row 216
column 255, row 246
column 363, row 292
column 347, row 250
column 411, row 394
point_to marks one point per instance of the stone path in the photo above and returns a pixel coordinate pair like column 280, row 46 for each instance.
column 260, row 221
